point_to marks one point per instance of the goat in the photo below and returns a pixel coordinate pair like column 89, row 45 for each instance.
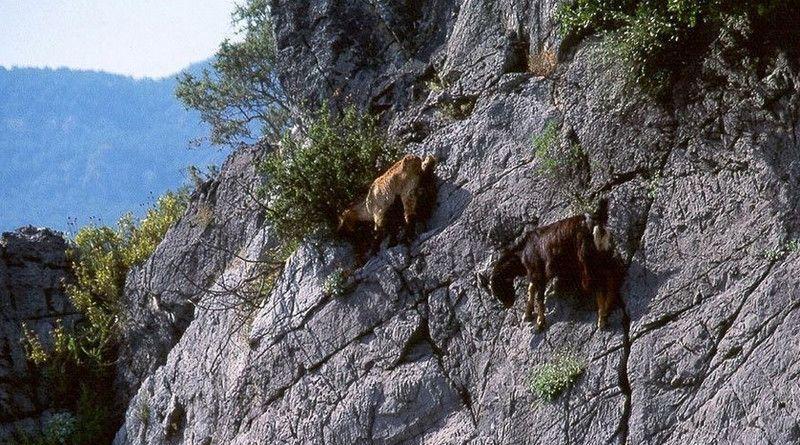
column 577, row 250
column 409, row 180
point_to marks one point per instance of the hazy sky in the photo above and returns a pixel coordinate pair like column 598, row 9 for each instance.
column 142, row 38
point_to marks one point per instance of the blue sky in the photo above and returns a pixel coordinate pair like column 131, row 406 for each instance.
column 141, row 38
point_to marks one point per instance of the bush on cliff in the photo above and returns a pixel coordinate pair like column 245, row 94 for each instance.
column 654, row 37
column 77, row 370
column 101, row 260
column 311, row 179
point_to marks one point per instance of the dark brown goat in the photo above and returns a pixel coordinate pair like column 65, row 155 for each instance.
column 576, row 251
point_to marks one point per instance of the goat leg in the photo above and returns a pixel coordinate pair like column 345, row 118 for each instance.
column 540, row 310
column 602, row 310
column 531, row 303
column 535, row 303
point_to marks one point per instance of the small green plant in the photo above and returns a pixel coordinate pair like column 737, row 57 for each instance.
column 773, row 254
column 543, row 141
column 457, row 110
column 59, row 429
column 336, row 283
column 554, row 161
column 310, row 180
column 568, row 166
column 783, row 249
column 436, row 84
column 142, row 413
column 34, row 349
column 653, row 183
column 549, row 380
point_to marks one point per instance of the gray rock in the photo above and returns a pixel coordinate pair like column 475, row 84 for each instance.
column 702, row 190
column 161, row 296
column 33, row 266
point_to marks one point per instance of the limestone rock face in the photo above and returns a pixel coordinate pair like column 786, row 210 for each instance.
column 704, row 203
column 162, row 295
column 33, row 265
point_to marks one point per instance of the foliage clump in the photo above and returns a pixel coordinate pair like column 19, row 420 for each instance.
column 311, row 179
column 58, row 430
column 566, row 164
column 654, row 36
column 555, row 161
column 785, row 248
column 77, row 370
column 336, row 283
column 101, row 260
column 549, row 380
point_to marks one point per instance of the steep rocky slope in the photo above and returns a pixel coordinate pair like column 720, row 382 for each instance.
column 33, row 264
column 704, row 194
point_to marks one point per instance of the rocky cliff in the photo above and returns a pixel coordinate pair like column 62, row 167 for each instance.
column 33, row 265
column 704, row 203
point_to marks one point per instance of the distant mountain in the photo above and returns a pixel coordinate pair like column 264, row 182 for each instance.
column 81, row 144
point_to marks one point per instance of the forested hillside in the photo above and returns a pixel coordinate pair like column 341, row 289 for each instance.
column 77, row 144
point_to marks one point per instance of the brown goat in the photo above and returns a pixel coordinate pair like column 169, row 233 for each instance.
column 577, row 251
column 404, row 180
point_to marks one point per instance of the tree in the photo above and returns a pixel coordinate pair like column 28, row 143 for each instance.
column 240, row 97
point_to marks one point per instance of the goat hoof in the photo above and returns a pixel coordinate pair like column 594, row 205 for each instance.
column 527, row 317
column 601, row 325
column 540, row 325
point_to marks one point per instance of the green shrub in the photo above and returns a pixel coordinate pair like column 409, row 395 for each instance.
column 60, row 427
column 457, row 109
column 653, row 36
column 549, row 380
column 77, row 371
column 101, row 259
column 567, row 166
column 544, row 144
column 653, row 185
column 309, row 182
